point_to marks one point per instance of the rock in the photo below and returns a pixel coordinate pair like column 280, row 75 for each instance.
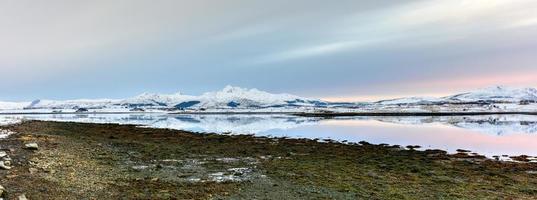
column 22, row 197
column 32, row 146
column 2, row 191
column 4, row 166
column 3, row 154
column 32, row 170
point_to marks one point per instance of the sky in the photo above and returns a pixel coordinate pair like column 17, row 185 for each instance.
column 333, row 50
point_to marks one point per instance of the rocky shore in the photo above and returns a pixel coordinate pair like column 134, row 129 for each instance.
column 53, row 160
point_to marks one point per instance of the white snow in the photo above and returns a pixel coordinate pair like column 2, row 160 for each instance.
column 5, row 133
column 155, row 99
column 245, row 96
column 72, row 104
column 9, row 119
column 498, row 93
column 12, row 105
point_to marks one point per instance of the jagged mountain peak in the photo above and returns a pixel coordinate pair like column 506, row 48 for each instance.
column 232, row 92
column 229, row 96
column 234, row 89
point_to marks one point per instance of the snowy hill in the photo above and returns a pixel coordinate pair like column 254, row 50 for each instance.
column 155, row 100
column 410, row 100
column 12, row 105
column 236, row 99
column 497, row 94
column 229, row 98
column 71, row 104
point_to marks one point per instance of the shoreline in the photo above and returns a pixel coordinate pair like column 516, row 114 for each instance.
column 77, row 160
column 302, row 114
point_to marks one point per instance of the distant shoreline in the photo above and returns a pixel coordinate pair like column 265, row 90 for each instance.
column 302, row 114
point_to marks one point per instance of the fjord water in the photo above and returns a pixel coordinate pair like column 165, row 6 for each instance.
column 489, row 135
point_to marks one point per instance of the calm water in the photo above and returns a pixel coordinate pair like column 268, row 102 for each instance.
column 488, row 135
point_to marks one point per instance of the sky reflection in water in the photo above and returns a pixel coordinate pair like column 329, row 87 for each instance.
column 488, row 135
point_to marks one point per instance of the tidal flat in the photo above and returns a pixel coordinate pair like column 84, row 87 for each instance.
column 108, row 161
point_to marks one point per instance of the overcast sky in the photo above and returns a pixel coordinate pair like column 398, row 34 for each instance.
column 335, row 50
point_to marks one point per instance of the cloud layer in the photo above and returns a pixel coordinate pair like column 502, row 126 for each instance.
column 349, row 49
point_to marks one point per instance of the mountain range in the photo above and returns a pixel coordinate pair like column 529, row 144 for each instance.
column 236, row 98
column 496, row 94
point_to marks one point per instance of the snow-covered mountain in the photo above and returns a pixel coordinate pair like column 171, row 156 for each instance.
column 496, row 94
column 71, row 104
column 228, row 98
column 235, row 99
column 12, row 105
column 410, row 100
column 155, row 100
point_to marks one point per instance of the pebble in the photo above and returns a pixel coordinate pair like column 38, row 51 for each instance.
column 32, row 170
column 22, row 197
column 3, row 154
column 4, row 166
column 2, row 190
column 32, row 145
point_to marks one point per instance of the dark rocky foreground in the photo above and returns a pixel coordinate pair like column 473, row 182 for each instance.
column 100, row 161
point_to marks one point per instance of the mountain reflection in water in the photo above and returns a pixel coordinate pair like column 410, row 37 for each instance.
column 486, row 134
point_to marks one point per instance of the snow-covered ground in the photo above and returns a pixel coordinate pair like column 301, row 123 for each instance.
column 6, row 120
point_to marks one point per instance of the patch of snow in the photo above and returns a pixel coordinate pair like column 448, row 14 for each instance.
column 7, row 120
column 12, row 105
column 5, row 133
